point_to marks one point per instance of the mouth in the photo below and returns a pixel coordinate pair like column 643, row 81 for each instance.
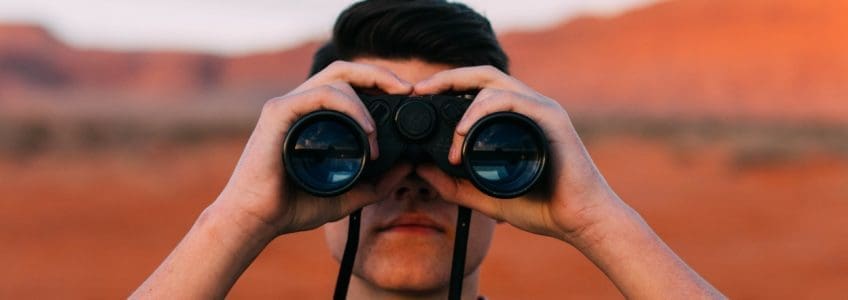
column 412, row 224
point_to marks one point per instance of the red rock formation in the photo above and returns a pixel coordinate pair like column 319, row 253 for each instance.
column 280, row 68
column 25, row 36
column 746, row 59
column 30, row 58
column 766, row 60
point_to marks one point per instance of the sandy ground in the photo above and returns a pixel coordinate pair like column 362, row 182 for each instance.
column 95, row 225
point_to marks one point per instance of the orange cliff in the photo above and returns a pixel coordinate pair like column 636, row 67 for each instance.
column 31, row 58
column 760, row 59
column 721, row 59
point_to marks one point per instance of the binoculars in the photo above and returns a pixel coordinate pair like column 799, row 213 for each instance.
column 326, row 152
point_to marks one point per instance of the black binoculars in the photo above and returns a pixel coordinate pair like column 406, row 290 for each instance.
column 326, row 152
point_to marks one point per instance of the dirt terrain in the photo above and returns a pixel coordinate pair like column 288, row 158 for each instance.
column 95, row 226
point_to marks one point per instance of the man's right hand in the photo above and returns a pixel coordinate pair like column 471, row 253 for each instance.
column 257, row 189
column 257, row 205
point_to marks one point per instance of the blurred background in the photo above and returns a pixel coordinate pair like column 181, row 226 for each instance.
column 724, row 123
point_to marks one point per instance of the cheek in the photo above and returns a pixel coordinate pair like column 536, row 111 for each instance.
column 335, row 234
column 479, row 239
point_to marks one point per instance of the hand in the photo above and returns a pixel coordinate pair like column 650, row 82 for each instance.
column 579, row 195
column 580, row 208
column 257, row 205
column 257, row 190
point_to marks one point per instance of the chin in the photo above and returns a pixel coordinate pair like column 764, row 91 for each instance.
column 407, row 281
column 414, row 266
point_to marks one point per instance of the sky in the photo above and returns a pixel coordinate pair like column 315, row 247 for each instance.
column 245, row 26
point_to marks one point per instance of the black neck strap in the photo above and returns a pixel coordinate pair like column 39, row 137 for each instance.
column 343, row 281
column 463, row 222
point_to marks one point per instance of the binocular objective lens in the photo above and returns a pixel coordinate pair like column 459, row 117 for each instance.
column 505, row 155
column 326, row 155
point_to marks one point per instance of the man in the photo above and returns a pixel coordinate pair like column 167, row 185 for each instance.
column 416, row 48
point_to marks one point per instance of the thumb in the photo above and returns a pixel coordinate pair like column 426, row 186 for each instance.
column 460, row 191
column 366, row 193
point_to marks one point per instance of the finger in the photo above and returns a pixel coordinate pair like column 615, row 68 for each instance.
column 365, row 193
column 361, row 76
column 459, row 191
column 466, row 79
column 488, row 101
column 549, row 115
column 455, row 152
column 345, row 88
column 372, row 137
column 293, row 107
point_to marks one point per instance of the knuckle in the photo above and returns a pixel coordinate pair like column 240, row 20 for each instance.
column 338, row 64
column 337, row 68
column 484, row 93
column 489, row 69
column 442, row 74
column 317, row 97
column 378, row 69
column 343, row 88
column 490, row 93
column 273, row 103
column 552, row 105
column 331, row 98
column 326, row 92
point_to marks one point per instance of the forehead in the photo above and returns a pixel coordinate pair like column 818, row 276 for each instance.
column 411, row 70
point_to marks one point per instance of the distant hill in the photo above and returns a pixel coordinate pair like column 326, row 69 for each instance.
column 30, row 58
column 718, row 59
column 760, row 59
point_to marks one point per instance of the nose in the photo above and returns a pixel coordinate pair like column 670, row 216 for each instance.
column 413, row 188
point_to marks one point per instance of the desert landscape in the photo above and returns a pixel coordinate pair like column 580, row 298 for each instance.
column 724, row 123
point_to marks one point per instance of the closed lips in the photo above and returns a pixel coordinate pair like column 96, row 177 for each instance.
column 412, row 221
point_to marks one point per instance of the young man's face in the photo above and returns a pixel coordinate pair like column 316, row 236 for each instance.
column 406, row 240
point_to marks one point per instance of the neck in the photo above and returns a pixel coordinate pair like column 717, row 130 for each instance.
column 362, row 289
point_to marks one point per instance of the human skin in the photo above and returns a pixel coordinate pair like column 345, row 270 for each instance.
column 580, row 208
column 404, row 261
column 256, row 205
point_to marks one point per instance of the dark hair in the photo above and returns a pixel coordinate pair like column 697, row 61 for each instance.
column 435, row 31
